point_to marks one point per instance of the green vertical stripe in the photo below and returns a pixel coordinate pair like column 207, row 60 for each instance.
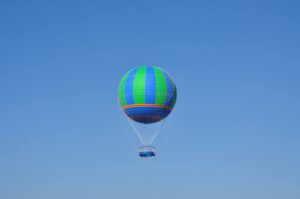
column 161, row 87
column 139, row 85
column 122, row 98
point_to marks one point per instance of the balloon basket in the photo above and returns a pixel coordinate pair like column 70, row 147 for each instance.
column 147, row 151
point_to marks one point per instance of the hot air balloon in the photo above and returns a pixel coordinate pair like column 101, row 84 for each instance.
column 147, row 95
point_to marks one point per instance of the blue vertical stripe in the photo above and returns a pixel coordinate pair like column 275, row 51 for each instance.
column 129, row 87
column 170, row 90
column 150, row 86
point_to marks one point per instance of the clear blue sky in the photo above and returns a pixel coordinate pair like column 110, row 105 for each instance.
column 235, row 130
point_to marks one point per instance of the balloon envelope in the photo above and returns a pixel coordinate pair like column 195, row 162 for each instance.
column 147, row 94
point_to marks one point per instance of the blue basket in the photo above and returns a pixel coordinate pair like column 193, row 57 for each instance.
column 147, row 151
